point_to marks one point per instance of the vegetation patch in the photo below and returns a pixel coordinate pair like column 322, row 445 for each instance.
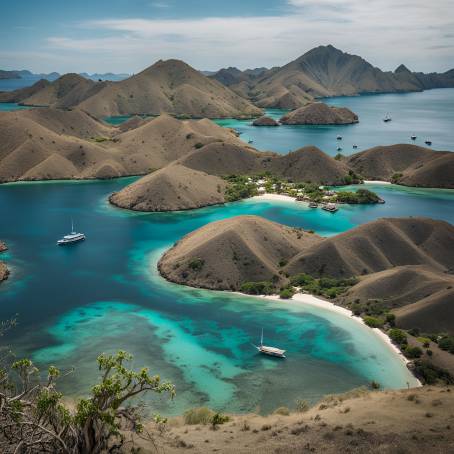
column 239, row 187
column 328, row 287
column 196, row 264
column 258, row 288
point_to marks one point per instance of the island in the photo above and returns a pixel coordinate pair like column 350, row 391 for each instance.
column 396, row 273
column 265, row 121
column 319, row 113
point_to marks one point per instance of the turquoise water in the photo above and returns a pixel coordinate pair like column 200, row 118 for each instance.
column 8, row 106
column 105, row 294
column 428, row 115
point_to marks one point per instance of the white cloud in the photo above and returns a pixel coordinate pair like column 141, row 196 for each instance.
column 385, row 32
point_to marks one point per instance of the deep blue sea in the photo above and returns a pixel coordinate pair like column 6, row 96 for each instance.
column 105, row 293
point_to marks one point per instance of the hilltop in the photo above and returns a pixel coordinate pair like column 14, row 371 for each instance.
column 404, row 164
column 224, row 254
column 380, row 245
column 318, row 113
column 170, row 86
column 45, row 144
column 172, row 188
column 415, row 420
column 326, row 71
column 406, row 264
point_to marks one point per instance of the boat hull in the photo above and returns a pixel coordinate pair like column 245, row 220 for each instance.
column 65, row 242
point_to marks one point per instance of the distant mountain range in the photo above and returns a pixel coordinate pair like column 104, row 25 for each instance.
column 322, row 72
column 174, row 87
column 25, row 74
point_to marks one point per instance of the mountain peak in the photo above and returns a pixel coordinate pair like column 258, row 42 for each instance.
column 401, row 69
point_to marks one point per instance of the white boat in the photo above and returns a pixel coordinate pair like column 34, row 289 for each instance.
column 413, row 137
column 387, row 118
column 339, row 137
column 355, row 146
column 72, row 237
column 339, row 148
column 270, row 351
column 428, row 142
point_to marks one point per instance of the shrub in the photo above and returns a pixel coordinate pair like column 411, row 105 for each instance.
column 374, row 384
column 286, row 293
column 390, row 318
column 398, row 336
column 284, row 411
column 412, row 352
column 447, row 343
column 373, row 322
column 302, row 405
column 396, row 177
column 258, row 288
column 430, row 374
column 198, row 415
column 196, row 264
column 301, row 279
column 217, row 419
column 198, row 145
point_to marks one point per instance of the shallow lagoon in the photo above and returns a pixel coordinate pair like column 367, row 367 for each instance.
column 105, row 294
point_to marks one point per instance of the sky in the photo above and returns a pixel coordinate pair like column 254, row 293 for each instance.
column 126, row 36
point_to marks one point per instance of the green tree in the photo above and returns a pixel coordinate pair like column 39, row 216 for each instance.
column 34, row 419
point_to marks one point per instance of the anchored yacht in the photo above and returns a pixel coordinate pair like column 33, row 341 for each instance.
column 72, row 237
column 270, row 351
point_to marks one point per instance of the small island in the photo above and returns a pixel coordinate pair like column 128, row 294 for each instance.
column 4, row 272
column 319, row 113
column 265, row 121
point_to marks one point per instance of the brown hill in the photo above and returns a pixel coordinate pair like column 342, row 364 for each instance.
column 305, row 164
column 420, row 296
column 132, row 123
column 222, row 158
column 23, row 93
column 357, row 422
column 410, row 165
column 327, row 71
column 318, row 113
column 172, row 188
column 172, row 87
column 265, row 121
column 380, row 245
column 67, row 91
column 48, row 144
column 308, row 164
column 225, row 254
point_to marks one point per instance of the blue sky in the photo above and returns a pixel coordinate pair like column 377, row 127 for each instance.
column 129, row 35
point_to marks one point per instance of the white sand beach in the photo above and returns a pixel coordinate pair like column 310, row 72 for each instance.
column 306, row 299
column 274, row 197
column 376, row 182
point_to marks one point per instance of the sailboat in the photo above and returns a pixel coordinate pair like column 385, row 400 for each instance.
column 72, row 237
column 270, row 351
column 387, row 118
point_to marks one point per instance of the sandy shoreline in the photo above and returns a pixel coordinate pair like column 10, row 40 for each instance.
column 376, row 182
column 306, row 299
column 273, row 197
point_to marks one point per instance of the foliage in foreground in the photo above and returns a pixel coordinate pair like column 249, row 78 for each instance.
column 33, row 417
column 325, row 286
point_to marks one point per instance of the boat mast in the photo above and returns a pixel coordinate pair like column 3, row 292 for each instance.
column 72, row 226
column 261, row 339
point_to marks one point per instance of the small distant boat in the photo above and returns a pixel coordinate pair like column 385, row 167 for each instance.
column 355, row 146
column 313, row 205
column 250, row 141
column 428, row 142
column 270, row 351
column 331, row 207
column 339, row 148
column 72, row 237
column 387, row 118
column 413, row 137
column 339, row 137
